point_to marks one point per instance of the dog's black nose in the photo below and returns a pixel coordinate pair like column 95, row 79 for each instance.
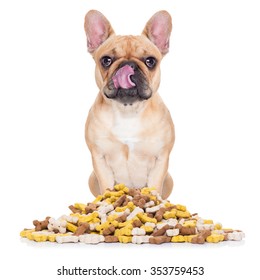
column 132, row 64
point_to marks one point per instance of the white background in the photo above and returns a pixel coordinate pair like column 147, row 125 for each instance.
column 210, row 83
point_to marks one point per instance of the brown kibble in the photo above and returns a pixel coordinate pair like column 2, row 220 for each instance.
column 150, row 215
column 126, row 202
column 228, row 230
column 119, row 201
column 159, row 214
column 121, row 219
column 225, row 237
column 40, row 225
column 109, row 230
column 146, row 198
column 137, row 223
column 159, row 239
column 74, row 209
column 133, row 192
column 111, row 239
column 201, row 237
column 198, row 240
column 140, row 203
column 91, row 207
column 140, row 200
column 161, row 231
column 83, row 228
column 186, row 230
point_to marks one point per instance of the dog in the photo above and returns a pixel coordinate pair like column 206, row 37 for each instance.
column 129, row 130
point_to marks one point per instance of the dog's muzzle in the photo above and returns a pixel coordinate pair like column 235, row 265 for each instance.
column 128, row 84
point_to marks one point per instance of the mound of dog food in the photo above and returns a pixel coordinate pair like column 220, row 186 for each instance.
column 129, row 216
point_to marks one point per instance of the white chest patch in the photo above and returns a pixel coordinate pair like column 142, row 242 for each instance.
column 126, row 130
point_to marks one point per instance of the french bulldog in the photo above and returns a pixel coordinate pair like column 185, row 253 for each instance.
column 129, row 130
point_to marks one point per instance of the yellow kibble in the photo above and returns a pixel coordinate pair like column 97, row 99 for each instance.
column 109, row 200
column 125, row 190
column 98, row 199
column 116, row 194
column 153, row 197
column 170, row 214
column 29, row 235
column 126, row 231
column 168, row 204
column 181, row 207
column 52, row 237
column 25, row 232
column 218, row 226
column 126, row 223
column 39, row 236
column 208, row 222
column 119, row 187
column 181, row 214
column 188, row 238
column 102, row 226
column 71, row 227
column 147, row 229
column 215, row 238
column 147, row 190
column 121, row 209
column 87, row 218
column 190, row 223
column 115, row 223
column 130, row 205
column 112, row 217
column 178, row 238
column 125, row 239
column 80, row 206
column 144, row 218
column 95, row 220
column 123, row 232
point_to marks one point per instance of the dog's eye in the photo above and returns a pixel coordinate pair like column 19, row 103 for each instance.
column 106, row 61
column 150, row 62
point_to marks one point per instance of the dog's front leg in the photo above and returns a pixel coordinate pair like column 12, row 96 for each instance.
column 102, row 177
column 159, row 177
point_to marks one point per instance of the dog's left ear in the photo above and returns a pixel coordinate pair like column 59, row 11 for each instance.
column 97, row 29
column 158, row 30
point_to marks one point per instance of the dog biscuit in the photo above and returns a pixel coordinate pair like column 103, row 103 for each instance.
column 91, row 238
column 140, row 239
column 130, row 216
column 57, row 225
column 138, row 231
column 41, row 225
column 67, row 239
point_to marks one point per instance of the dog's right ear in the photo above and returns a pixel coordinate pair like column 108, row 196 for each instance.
column 97, row 29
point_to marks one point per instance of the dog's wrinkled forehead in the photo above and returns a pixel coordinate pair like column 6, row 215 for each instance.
column 128, row 47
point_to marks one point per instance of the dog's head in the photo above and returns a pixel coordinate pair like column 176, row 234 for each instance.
column 128, row 67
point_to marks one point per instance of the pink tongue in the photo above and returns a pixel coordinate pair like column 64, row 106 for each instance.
column 122, row 77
